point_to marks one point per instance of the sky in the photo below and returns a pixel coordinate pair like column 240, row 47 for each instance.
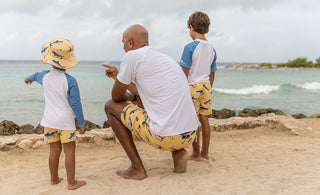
column 240, row 31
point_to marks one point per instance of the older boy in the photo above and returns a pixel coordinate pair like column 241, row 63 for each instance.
column 62, row 102
column 198, row 62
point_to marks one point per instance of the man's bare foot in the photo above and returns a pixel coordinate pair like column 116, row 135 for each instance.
column 55, row 182
column 132, row 173
column 180, row 161
column 76, row 184
column 195, row 157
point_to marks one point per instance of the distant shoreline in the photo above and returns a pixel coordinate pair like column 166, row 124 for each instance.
column 256, row 66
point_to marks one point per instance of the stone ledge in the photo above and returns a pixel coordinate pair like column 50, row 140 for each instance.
column 29, row 141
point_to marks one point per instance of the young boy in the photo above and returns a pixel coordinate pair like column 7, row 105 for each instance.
column 62, row 102
column 198, row 62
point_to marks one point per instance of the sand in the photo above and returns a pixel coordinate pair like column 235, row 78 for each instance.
column 253, row 161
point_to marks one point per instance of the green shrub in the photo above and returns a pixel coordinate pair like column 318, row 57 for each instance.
column 299, row 62
column 317, row 63
column 265, row 65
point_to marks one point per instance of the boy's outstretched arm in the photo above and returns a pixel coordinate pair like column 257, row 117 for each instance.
column 38, row 76
column 27, row 82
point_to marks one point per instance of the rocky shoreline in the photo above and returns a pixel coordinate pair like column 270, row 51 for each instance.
column 28, row 137
column 285, row 123
column 256, row 66
column 11, row 128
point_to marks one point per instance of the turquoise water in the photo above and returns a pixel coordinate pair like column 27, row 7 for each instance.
column 292, row 91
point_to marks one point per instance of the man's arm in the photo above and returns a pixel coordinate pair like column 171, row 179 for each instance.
column 119, row 92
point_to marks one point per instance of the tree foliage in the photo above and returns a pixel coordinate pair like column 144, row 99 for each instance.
column 300, row 62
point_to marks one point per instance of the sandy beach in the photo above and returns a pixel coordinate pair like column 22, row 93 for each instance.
column 260, row 160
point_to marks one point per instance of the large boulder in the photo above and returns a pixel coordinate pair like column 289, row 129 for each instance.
column 223, row 114
column 39, row 129
column 106, row 124
column 269, row 110
column 8, row 128
column 26, row 129
column 248, row 113
column 299, row 116
column 89, row 125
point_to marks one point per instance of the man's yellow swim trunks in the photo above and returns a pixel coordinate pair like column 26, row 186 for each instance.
column 137, row 121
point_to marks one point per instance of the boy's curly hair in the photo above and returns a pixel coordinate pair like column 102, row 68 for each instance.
column 200, row 22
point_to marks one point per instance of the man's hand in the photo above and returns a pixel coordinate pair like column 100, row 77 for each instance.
column 138, row 102
column 82, row 130
column 111, row 71
column 27, row 82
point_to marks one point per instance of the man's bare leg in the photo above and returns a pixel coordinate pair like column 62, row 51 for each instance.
column 55, row 151
column 205, row 136
column 136, row 170
column 180, row 160
column 70, row 163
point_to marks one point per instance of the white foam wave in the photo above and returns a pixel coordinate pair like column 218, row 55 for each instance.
column 311, row 86
column 255, row 89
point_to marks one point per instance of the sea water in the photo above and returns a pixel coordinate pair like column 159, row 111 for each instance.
column 292, row 91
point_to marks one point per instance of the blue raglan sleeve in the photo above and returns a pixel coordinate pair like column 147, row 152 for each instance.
column 74, row 100
column 186, row 58
column 38, row 76
column 214, row 64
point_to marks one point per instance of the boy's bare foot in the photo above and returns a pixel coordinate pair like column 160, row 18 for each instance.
column 195, row 157
column 205, row 156
column 180, row 161
column 76, row 184
column 55, row 182
column 132, row 173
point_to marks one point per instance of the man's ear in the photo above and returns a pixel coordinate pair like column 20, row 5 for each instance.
column 191, row 27
column 131, row 43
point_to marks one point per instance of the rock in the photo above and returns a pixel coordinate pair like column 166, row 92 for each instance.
column 103, row 134
column 106, row 124
column 85, row 138
column 89, row 125
column 279, row 112
column 8, row 140
column 25, row 144
column 8, row 128
column 269, row 110
column 248, row 113
column 299, row 116
column 39, row 144
column 315, row 116
column 26, row 129
column 223, row 114
column 39, row 129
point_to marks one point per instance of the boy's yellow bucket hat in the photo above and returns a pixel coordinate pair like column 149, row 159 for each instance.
column 59, row 53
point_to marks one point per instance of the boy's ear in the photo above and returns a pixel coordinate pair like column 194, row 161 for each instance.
column 191, row 27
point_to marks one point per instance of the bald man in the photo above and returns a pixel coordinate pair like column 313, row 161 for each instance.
column 158, row 109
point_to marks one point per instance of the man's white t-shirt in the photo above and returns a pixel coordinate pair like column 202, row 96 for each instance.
column 163, row 89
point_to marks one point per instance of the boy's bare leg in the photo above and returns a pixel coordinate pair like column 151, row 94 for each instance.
column 205, row 136
column 70, row 163
column 180, row 160
column 136, row 170
column 196, row 148
column 55, row 151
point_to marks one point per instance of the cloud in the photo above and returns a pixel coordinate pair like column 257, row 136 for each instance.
column 241, row 30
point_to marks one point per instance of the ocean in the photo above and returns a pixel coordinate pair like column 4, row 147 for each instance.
column 292, row 91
